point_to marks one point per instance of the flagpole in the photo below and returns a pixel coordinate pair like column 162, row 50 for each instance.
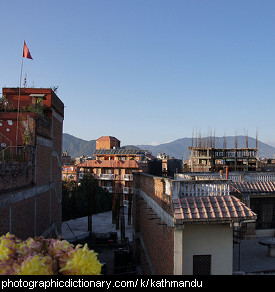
column 18, row 104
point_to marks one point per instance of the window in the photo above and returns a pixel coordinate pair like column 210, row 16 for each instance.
column 201, row 265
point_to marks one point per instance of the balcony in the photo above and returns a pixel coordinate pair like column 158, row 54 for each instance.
column 107, row 176
column 127, row 177
column 18, row 154
column 126, row 190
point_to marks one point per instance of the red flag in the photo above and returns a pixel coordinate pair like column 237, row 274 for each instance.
column 26, row 52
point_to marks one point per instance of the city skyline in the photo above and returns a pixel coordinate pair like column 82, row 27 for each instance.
column 148, row 72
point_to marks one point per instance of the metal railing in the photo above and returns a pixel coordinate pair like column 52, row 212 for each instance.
column 107, row 176
column 18, row 154
column 127, row 177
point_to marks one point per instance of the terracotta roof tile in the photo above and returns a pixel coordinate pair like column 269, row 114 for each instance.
column 252, row 187
column 109, row 164
column 210, row 208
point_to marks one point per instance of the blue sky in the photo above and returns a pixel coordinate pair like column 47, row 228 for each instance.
column 148, row 71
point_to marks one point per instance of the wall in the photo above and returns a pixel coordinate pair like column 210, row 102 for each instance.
column 154, row 233
column 107, row 142
column 207, row 239
column 162, row 247
column 32, row 206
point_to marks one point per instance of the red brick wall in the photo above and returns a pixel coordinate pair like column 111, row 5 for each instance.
column 57, row 170
column 23, row 218
column 107, row 142
column 158, row 238
column 14, row 176
column 43, row 212
column 43, row 165
column 154, row 187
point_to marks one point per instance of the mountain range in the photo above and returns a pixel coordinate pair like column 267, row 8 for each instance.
column 178, row 148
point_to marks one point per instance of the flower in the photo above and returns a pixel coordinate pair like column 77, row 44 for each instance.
column 35, row 265
column 58, row 247
column 7, row 246
column 6, row 267
column 82, row 261
column 40, row 256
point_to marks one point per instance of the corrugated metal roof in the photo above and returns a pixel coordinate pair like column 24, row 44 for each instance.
column 252, row 187
column 203, row 209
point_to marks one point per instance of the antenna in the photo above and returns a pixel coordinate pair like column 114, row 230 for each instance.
column 199, row 139
column 257, row 139
column 214, row 140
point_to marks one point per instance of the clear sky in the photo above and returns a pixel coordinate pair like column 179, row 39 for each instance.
column 148, row 71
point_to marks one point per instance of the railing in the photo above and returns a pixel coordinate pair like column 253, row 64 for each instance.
column 126, row 190
column 204, row 188
column 19, row 154
column 107, row 176
column 127, row 177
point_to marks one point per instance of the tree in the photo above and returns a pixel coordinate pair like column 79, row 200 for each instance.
column 88, row 186
column 84, row 199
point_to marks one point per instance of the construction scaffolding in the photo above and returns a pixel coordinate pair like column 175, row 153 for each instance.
column 205, row 157
column 209, row 159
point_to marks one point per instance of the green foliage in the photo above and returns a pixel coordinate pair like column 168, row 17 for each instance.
column 87, row 198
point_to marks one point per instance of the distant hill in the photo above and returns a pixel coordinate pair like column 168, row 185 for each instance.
column 178, row 148
column 78, row 147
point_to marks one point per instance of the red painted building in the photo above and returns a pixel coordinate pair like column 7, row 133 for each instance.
column 30, row 162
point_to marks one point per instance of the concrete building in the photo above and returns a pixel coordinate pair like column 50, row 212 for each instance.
column 185, row 227
column 260, row 197
column 113, row 166
column 255, row 189
column 170, row 166
column 66, row 158
column 210, row 159
column 30, row 162
column 70, row 172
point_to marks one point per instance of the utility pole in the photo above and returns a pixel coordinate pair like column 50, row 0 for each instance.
column 89, row 185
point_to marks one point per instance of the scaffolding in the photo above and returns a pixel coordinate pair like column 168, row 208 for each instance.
column 209, row 159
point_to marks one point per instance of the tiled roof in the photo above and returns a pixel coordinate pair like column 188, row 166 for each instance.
column 252, row 187
column 201, row 209
column 118, row 151
column 109, row 164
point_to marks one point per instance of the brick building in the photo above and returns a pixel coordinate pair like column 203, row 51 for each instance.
column 66, row 158
column 30, row 162
column 113, row 167
column 70, row 172
column 184, row 227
